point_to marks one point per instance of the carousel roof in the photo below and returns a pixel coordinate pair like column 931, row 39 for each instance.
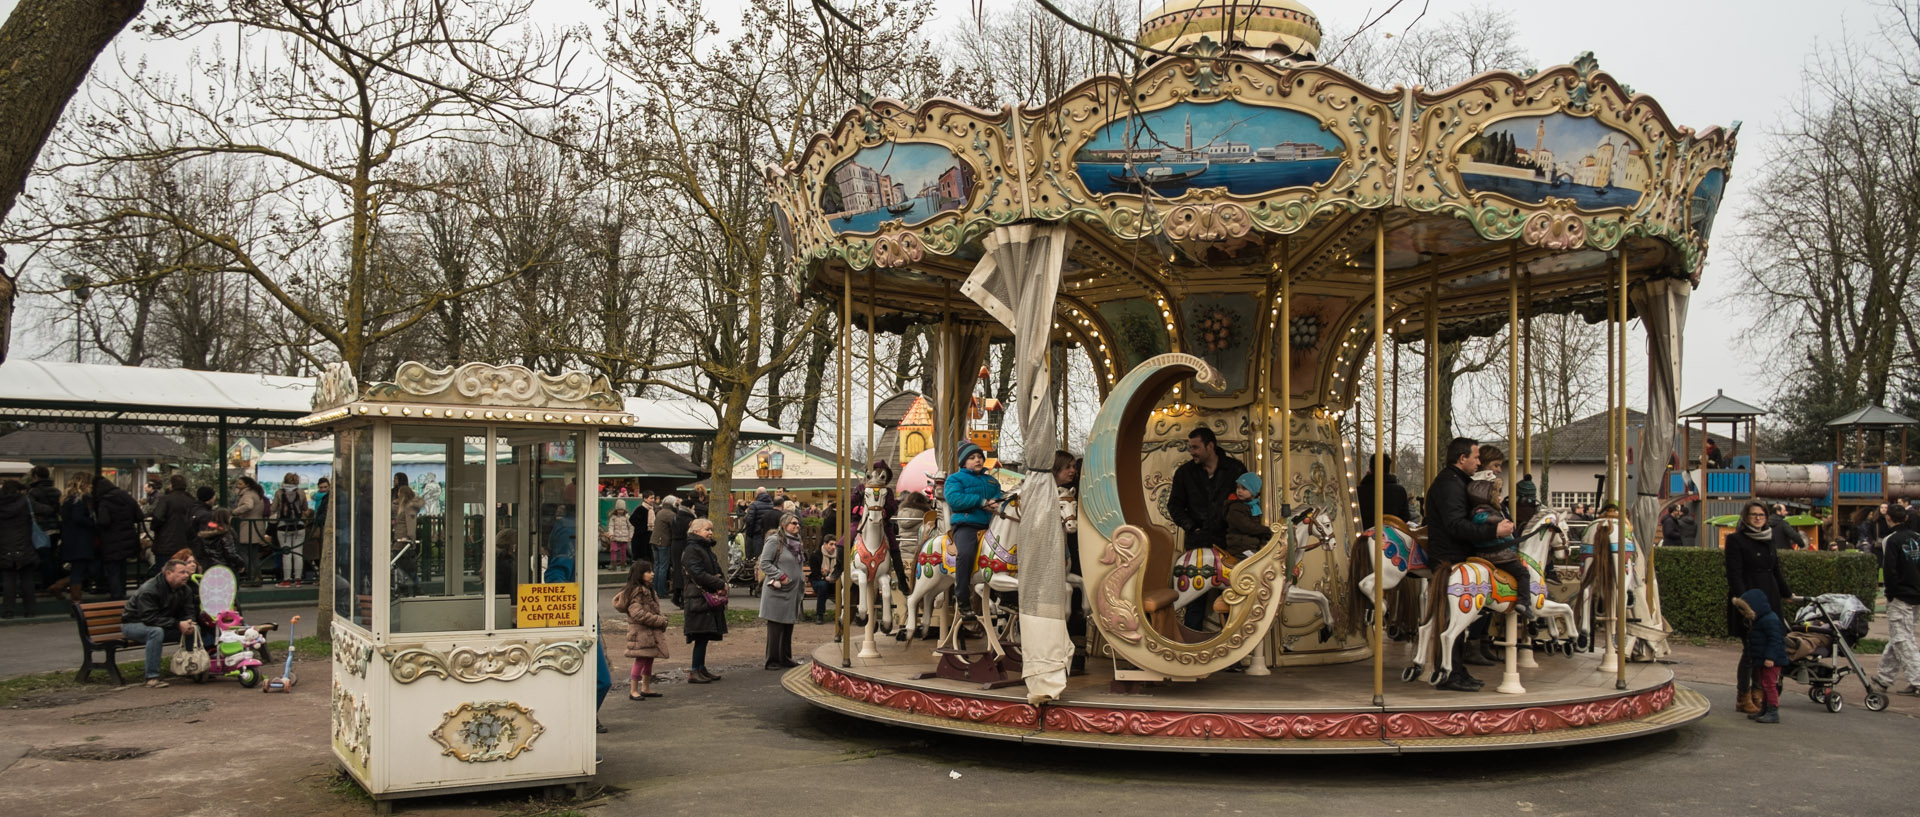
column 1185, row 196
column 1281, row 25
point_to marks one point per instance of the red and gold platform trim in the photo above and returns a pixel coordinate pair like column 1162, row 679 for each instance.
column 1420, row 726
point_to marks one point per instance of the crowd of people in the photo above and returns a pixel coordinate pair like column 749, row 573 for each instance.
column 83, row 537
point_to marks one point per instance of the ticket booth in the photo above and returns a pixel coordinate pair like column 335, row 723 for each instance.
column 463, row 632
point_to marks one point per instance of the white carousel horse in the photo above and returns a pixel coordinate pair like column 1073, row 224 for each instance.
column 872, row 571
column 1404, row 555
column 1475, row 588
column 1197, row 572
column 1596, row 576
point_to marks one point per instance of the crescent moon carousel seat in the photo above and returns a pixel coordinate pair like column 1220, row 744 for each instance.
column 1236, row 237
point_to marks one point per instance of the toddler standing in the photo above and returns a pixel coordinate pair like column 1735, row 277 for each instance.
column 619, row 534
column 1766, row 651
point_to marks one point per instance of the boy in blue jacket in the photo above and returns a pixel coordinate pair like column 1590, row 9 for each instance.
column 972, row 496
column 1766, row 650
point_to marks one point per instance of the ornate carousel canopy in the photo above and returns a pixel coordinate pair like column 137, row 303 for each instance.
column 1187, row 190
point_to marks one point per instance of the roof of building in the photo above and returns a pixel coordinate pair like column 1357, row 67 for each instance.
column 42, row 445
column 649, row 459
column 1721, row 407
column 889, row 413
column 810, row 449
column 1872, row 417
column 1585, row 440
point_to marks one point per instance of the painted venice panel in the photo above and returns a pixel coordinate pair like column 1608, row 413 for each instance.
column 1535, row 158
column 898, row 181
column 1247, row 149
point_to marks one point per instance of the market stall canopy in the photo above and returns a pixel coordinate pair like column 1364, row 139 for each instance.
column 41, row 389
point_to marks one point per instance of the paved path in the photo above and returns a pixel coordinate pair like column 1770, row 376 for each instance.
column 745, row 746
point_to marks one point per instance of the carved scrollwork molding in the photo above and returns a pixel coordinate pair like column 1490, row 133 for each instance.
column 484, row 384
column 506, row 662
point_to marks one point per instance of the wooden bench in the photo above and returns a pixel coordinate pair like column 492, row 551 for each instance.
column 100, row 633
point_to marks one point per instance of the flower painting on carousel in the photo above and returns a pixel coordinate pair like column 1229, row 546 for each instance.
column 898, row 181
column 1220, row 330
column 1535, row 158
column 1311, row 325
column 1246, row 149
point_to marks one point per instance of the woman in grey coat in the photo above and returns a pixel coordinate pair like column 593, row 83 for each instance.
column 783, row 594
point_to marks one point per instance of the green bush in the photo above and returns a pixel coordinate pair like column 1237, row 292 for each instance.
column 1693, row 583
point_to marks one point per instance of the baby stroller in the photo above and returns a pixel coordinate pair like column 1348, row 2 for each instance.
column 1820, row 649
column 742, row 568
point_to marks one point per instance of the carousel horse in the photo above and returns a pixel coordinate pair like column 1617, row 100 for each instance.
column 1596, row 576
column 872, row 572
column 1475, row 588
column 995, row 567
column 931, row 581
column 1405, row 554
column 1197, row 572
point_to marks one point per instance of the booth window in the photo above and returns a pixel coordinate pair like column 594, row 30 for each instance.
column 439, row 503
column 539, row 558
column 353, row 525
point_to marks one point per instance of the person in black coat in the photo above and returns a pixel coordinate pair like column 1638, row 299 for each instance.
column 1452, row 535
column 1198, row 503
column 704, row 623
column 78, row 546
column 117, row 518
column 1752, row 564
column 18, row 558
column 173, row 514
column 1396, row 503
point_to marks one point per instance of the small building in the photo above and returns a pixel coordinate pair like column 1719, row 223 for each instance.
column 806, row 472
column 126, row 455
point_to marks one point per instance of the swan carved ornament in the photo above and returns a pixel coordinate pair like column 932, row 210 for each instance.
column 1128, row 560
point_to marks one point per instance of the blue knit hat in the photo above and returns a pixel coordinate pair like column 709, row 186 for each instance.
column 1251, row 482
column 967, row 449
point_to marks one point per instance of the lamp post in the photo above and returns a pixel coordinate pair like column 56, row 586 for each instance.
column 76, row 285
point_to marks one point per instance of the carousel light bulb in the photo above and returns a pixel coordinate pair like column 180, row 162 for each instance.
column 469, row 414
column 569, row 418
column 547, row 417
column 363, row 409
column 489, row 415
column 406, row 412
column 383, row 410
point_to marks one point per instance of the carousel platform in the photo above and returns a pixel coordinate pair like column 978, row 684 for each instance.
column 1314, row 709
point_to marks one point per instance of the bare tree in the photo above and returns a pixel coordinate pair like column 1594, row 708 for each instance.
column 332, row 123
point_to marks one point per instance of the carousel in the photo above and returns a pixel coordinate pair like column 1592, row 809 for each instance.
column 1242, row 239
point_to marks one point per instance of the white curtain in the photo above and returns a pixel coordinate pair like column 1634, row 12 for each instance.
column 1017, row 283
column 1662, row 305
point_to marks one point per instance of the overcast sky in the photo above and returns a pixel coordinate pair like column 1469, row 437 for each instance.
column 1708, row 62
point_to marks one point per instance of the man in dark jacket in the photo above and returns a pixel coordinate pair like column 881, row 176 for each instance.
column 173, row 514
column 1900, row 662
column 1198, row 503
column 1396, row 504
column 45, row 497
column 161, row 606
column 118, row 519
column 1452, row 534
column 1670, row 527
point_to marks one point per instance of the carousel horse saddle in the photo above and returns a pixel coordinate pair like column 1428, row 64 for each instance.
column 1502, row 582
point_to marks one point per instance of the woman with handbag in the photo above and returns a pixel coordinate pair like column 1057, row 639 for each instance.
column 782, row 595
column 1752, row 564
column 703, row 598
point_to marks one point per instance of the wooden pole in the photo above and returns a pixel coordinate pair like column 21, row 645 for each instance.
column 1379, row 470
column 1285, row 307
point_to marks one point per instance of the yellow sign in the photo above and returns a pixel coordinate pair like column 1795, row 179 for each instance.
column 548, row 605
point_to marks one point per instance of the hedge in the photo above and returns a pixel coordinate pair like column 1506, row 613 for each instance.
column 1693, row 582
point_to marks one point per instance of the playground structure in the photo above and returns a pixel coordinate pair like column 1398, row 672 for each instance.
column 1233, row 235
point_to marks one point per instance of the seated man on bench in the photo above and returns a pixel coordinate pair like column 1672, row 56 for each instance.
column 163, row 603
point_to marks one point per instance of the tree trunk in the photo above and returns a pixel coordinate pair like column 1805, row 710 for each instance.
column 46, row 49
column 810, row 393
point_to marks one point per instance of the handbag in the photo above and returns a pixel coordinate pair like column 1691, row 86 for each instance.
column 191, row 659
column 40, row 539
column 716, row 600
